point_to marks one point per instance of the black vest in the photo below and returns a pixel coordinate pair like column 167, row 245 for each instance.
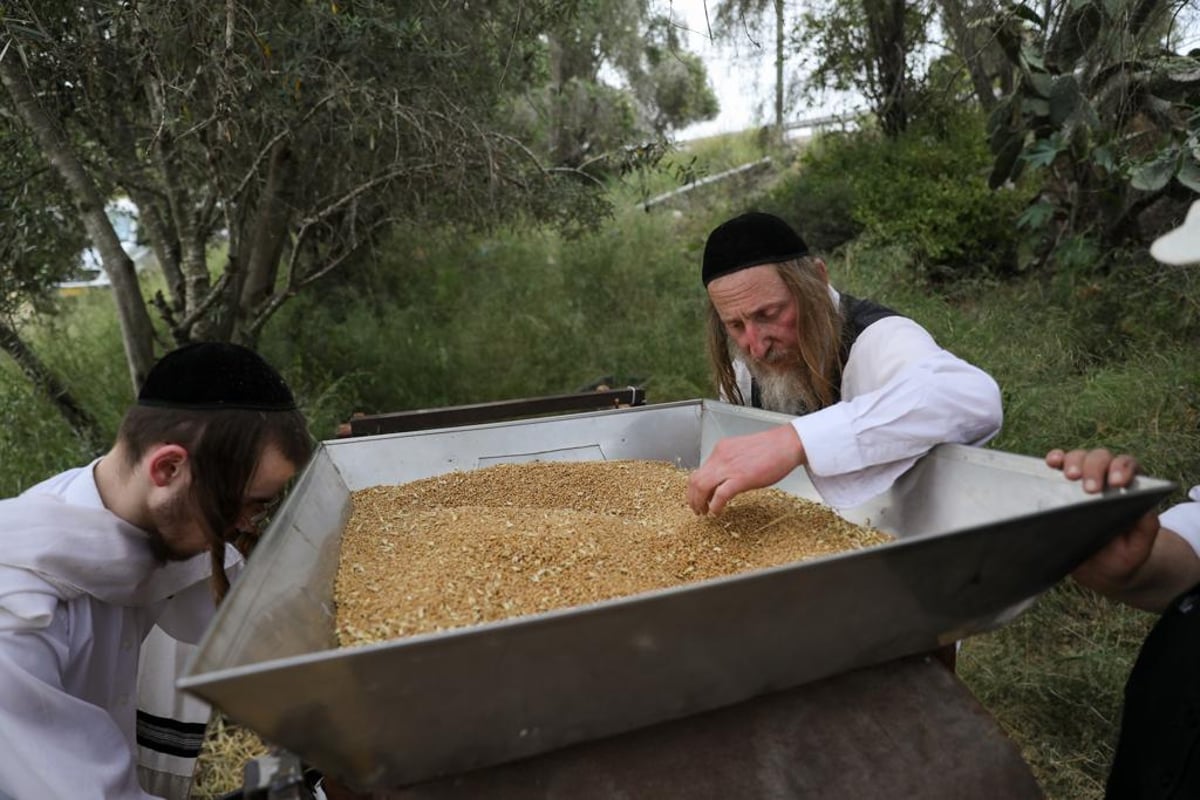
column 1158, row 750
column 857, row 315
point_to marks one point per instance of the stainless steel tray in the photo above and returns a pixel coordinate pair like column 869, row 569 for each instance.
column 982, row 532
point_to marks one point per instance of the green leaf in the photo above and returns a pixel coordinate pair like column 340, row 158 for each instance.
column 1036, row 215
column 1031, row 58
column 1000, row 117
column 1189, row 174
column 1035, row 107
column 1043, row 152
column 26, row 32
column 1007, row 163
column 1102, row 157
column 1028, row 250
column 1039, row 82
column 1155, row 174
column 1077, row 252
column 1029, row 15
column 1000, row 137
column 1064, row 99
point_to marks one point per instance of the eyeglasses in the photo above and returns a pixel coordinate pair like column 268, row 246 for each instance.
column 266, row 509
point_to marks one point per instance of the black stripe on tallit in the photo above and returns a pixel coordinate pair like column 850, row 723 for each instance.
column 170, row 736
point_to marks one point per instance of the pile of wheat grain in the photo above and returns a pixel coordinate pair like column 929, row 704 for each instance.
column 513, row 539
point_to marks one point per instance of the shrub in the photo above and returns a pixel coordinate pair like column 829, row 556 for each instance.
column 816, row 196
column 925, row 191
column 442, row 318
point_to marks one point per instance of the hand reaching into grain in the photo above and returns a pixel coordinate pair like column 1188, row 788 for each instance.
column 740, row 463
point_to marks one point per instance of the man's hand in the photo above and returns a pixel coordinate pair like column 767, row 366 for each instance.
column 1097, row 468
column 739, row 463
column 1115, row 569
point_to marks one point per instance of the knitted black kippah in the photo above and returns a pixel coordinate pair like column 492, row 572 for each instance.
column 215, row 376
column 749, row 240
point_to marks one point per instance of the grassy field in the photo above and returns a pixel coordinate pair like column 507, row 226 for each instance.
column 1094, row 361
column 1083, row 359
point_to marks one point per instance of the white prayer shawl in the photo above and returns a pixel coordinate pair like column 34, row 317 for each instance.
column 79, row 591
column 170, row 724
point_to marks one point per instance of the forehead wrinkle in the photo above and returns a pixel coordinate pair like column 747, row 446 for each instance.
column 748, row 292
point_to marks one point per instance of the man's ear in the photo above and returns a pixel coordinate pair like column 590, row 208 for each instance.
column 167, row 464
column 822, row 269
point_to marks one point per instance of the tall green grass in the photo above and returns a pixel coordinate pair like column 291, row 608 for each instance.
column 82, row 346
column 1083, row 360
column 444, row 321
column 1054, row 679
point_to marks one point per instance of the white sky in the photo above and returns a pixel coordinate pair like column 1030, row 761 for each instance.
column 741, row 74
column 743, row 78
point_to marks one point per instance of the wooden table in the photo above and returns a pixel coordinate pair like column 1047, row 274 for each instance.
column 905, row 729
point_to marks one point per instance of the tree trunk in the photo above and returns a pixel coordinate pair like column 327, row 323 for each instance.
column 159, row 232
column 558, row 137
column 154, row 221
column 269, row 233
column 972, row 48
column 779, row 52
column 885, row 26
column 84, row 424
column 193, row 261
column 136, row 331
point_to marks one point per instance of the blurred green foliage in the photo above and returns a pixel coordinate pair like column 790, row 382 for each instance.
column 926, row 192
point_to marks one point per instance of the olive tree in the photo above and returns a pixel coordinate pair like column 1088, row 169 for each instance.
column 269, row 145
column 615, row 72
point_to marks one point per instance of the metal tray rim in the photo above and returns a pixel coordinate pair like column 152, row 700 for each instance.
column 1146, row 486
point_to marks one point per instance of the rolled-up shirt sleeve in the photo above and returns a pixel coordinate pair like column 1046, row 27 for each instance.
column 902, row 395
column 1184, row 519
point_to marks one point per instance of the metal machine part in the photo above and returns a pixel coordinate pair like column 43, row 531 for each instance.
column 980, row 534
column 278, row 775
column 423, row 419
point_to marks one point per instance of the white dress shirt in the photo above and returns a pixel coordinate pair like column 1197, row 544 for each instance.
column 902, row 395
column 79, row 591
column 1184, row 519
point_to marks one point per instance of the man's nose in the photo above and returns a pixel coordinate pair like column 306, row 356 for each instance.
column 247, row 522
column 755, row 342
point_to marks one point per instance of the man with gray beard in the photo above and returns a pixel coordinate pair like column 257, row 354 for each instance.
column 870, row 389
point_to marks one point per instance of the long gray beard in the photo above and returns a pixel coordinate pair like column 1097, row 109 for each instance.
column 778, row 389
column 780, row 392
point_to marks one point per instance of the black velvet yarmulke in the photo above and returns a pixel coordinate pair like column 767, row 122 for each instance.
column 215, row 375
column 749, row 240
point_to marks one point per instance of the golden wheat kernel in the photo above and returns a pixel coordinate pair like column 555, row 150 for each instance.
column 626, row 520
